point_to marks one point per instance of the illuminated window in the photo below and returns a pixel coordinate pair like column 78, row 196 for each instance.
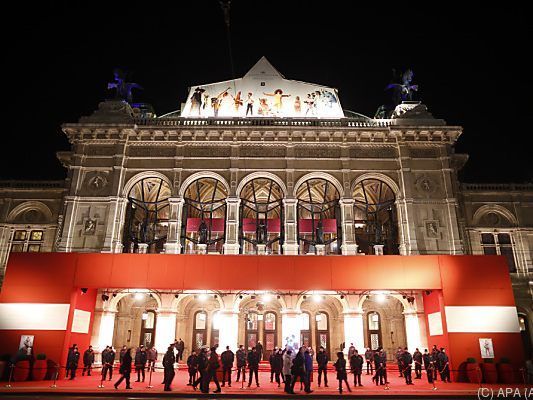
column 27, row 241
column 522, row 323
column 270, row 321
column 494, row 243
column 373, row 321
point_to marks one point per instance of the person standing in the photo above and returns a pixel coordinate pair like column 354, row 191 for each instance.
column 417, row 359
column 429, row 365
column 88, row 361
column 379, row 378
column 444, row 366
column 435, row 355
column 287, row 364
column 298, row 368
column 151, row 355
column 308, row 370
column 241, row 363
column 212, row 366
column 227, row 358
column 407, row 362
column 140, row 362
column 202, row 369
column 125, row 369
column 109, row 361
column 168, row 368
column 356, row 365
column 192, row 367
column 72, row 362
column 322, row 362
column 369, row 355
column 259, row 349
column 253, row 366
column 69, row 355
column 340, row 367
column 180, row 347
column 271, row 363
column 121, row 354
column 278, row 367
column 399, row 361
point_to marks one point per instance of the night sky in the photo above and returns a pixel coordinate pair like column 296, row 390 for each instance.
column 471, row 66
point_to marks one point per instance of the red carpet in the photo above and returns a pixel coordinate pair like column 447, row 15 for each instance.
column 89, row 385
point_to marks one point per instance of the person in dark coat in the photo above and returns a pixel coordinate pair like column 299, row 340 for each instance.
column 429, row 365
column 399, row 361
column 340, row 367
column 253, row 366
column 69, row 355
column 356, row 365
column 308, row 370
column 140, row 362
column 241, row 363
column 212, row 366
column 369, row 357
column 168, row 367
column 108, row 360
column 227, row 358
column 322, row 361
column 278, row 367
column 298, row 368
column 417, row 359
column 202, row 369
column 121, row 354
column 259, row 349
column 88, row 360
column 192, row 367
column 407, row 365
column 125, row 369
column 72, row 362
column 379, row 377
column 271, row 363
column 180, row 346
column 444, row 366
column 151, row 355
column 435, row 355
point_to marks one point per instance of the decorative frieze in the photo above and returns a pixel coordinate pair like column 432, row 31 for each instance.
column 317, row 152
column 207, row 151
column 151, row 151
column 373, row 152
column 262, row 151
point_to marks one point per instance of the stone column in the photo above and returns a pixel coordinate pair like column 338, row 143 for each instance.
column 173, row 244
column 353, row 330
column 378, row 249
column 412, row 330
column 165, row 329
column 320, row 249
column 290, row 327
column 290, row 245
column 231, row 246
column 349, row 246
column 143, row 248
column 5, row 235
column 114, row 223
column 107, row 328
column 67, row 233
column 228, row 329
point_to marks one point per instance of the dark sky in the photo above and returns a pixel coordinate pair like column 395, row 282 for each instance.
column 471, row 66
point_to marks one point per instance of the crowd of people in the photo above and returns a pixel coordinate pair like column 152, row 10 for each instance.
column 287, row 366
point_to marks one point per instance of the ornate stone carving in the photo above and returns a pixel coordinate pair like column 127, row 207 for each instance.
column 111, row 111
column 96, row 182
column 373, row 152
column 207, row 151
column 101, row 151
column 152, row 151
column 425, row 185
column 432, row 229
column 89, row 226
column 316, row 152
column 265, row 151
column 424, row 152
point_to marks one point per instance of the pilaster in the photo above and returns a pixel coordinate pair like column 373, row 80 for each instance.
column 231, row 245
column 173, row 244
column 290, row 245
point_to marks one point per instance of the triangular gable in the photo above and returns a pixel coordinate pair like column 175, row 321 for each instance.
column 263, row 69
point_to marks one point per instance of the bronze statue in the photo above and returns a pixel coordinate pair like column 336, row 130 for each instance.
column 398, row 92
column 405, row 89
column 261, row 233
column 122, row 88
column 202, row 233
column 319, row 233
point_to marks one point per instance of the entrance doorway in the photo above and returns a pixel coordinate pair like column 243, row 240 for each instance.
column 322, row 332
column 148, row 329
column 199, row 336
column 270, row 324
column 374, row 330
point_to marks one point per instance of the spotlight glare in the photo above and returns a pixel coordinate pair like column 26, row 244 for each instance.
column 202, row 297
column 381, row 298
column 267, row 297
column 139, row 296
column 317, row 298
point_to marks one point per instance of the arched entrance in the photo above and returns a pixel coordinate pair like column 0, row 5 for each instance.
column 199, row 334
column 135, row 321
column 322, row 332
column 204, row 216
column 271, row 333
column 319, row 220
column 261, row 216
column 384, row 323
column 375, row 217
column 146, row 221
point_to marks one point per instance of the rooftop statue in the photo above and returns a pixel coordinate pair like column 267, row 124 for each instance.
column 398, row 93
column 122, row 88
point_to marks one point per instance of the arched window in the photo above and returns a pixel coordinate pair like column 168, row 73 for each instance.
column 147, row 215
column 261, row 216
column 204, row 216
column 305, row 330
column 374, row 330
column 319, row 221
column 322, row 331
column 270, row 333
column 375, row 217
column 199, row 338
column 251, row 330
column 148, row 321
